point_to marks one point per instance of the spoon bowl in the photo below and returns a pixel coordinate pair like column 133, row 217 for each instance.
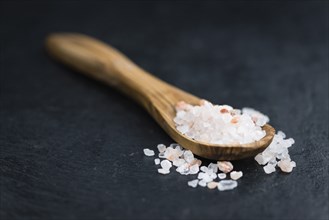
column 104, row 63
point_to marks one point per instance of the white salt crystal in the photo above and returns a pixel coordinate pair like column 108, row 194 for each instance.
column 207, row 178
column 188, row 156
column 213, row 167
column 269, row 168
column 235, row 175
column 157, row 161
column 166, row 164
column 148, row 152
column 163, row 171
column 212, row 185
column 222, row 176
column 193, row 183
column 202, row 183
column 227, row 185
column 225, row 166
column 201, row 175
column 161, row 148
column 204, row 169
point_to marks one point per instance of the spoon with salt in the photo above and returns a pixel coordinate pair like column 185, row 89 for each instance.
column 104, row 63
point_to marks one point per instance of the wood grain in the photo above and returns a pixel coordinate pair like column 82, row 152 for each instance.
column 104, row 63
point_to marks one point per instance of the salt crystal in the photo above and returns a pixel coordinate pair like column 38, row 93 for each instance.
column 178, row 162
column 286, row 165
column 157, row 161
column 166, row 164
column 194, row 169
column 204, row 169
column 193, row 183
column 269, row 168
column 222, row 176
column 183, row 169
column 202, row 183
column 213, row 167
column 161, row 148
column 148, row 152
column 188, row 156
column 227, row 185
column 163, row 171
column 162, row 155
column 225, row 166
column 235, row 175
column 201, row 175
column 212, row 185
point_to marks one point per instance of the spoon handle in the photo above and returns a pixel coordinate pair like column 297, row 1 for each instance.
column 104, row 63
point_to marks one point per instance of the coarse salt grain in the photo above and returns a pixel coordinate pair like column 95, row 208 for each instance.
column 227, row 185
column 193, row 183
column 202, row 183
column 163, row 171
column 222, row 176
column 235, row 175
column 156, row 161
column 161, row 148
column 148, row 152
column 212, row 185
column 166, row 164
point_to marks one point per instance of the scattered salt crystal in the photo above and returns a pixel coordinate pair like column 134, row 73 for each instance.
column 161, row 148
column 235, row 175
column 166, row 164
column 212, row 185
column 286, row 165
column 163, row 171
column 227, row 185
column 188, row 156
column 201, row 175
column 183, row 169
column 222, row 176
column 178, row 162
column 148, row 152
column 161, row 155
column 225, row 166
column 202, row 183
column 204, row 169
column 194, row 169
column 157, row 161
column 213, row 167
column 193, row 183
column 269, row 168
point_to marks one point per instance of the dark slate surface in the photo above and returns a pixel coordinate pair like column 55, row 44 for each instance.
column 71, row 148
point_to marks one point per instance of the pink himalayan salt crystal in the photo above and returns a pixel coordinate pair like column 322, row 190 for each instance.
column 225, row 166
column 212, row 185
column 286, row 165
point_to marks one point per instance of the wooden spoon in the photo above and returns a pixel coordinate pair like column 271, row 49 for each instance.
column 102, row 62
